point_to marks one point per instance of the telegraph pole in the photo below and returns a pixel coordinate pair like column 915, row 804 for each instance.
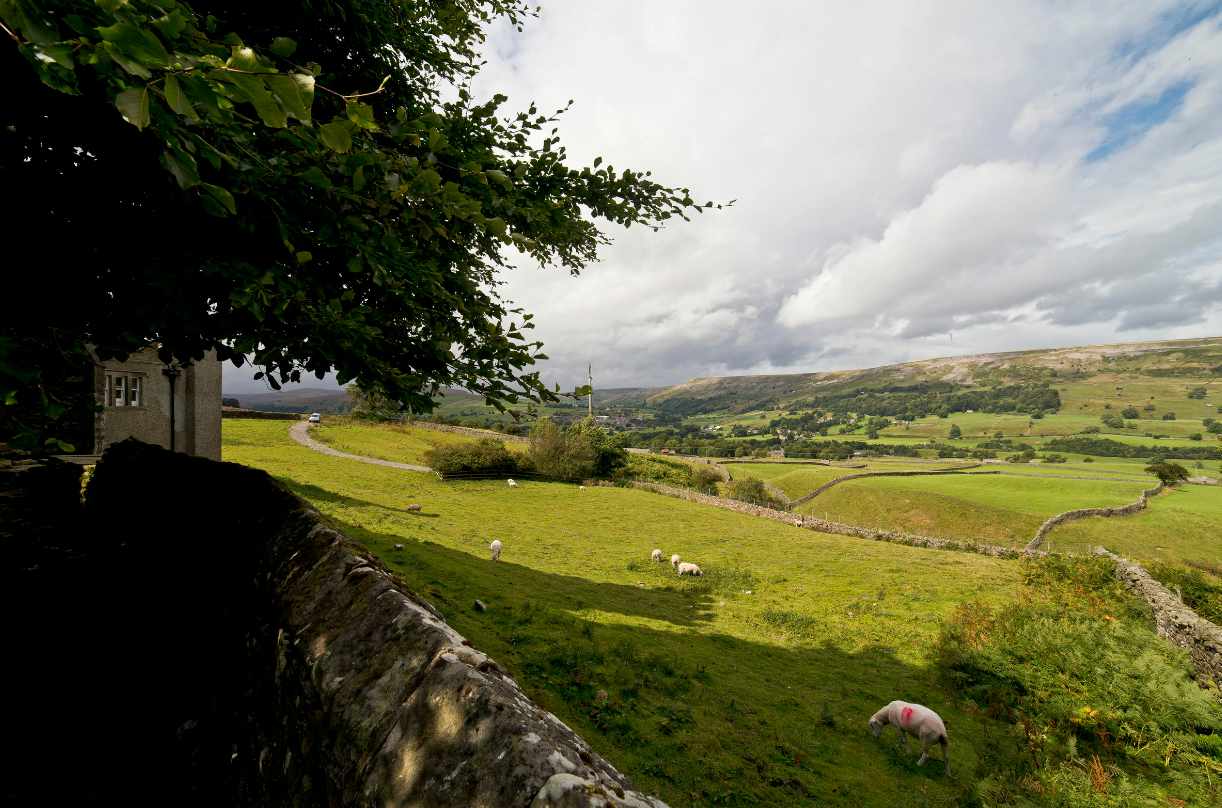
column 590, row 381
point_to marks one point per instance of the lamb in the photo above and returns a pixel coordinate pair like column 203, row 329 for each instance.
column 512, row 484
column 688, row 568
column 495, row 547
column 656, row 555
column 916, row 720
column 674, row 561
column 413, row 508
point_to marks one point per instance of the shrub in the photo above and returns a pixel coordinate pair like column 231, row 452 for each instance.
column 1167, row 472
column 484, row 456
column 955, row 432
column 1194, row 436
column 1091, row 430
column 1054, row 458
column 705, row 479
column 751, row 490
column 1168, row 416
column 1130, row 412
column 1061, row 666
column 1113, row 421
column 1197, row 392
column 574, row 453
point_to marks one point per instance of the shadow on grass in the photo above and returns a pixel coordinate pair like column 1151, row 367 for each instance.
column 699, row 718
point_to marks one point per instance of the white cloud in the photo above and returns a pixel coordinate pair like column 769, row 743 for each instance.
column 912, row 179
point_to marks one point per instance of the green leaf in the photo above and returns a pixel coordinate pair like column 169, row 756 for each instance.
column 304, row 256
column 133, row 104
column 287, row 89
column 219, row 197
column 255, row 91
column 337, row 136
column 136, row 43
column 182, row 166
column 172, row 24
column 242, row 57
column 177, row 100
column 315, row 176
column 283, row 46
column 361, row 115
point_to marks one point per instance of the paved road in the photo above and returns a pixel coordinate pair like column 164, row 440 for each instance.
column 300, row 432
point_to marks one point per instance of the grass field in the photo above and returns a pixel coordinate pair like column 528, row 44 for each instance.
column 1003, row 508
column 400, row 443
column 798, row 479
column 717, row 695
column 1183, row 524
column 750, row 686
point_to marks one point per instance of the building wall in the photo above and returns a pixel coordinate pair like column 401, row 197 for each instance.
column 197, row 406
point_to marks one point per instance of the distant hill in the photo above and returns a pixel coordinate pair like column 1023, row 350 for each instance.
column 302, row 399
column 1188, row 360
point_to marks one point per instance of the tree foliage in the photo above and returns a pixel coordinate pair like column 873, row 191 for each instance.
column 311, row 185
column 1167, row 472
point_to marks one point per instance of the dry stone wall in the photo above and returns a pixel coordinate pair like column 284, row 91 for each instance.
column 825, row 526
column 1082, row 513
column 1175, row 621
column 281, row 664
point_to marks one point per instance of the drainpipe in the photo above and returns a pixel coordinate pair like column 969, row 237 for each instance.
column 172, row 373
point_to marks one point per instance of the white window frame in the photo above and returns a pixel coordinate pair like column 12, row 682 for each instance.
column 124, row 389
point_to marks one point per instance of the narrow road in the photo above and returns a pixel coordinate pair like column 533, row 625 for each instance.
column 300, row 432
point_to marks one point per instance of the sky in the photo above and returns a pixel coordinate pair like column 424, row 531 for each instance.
column 912, row 180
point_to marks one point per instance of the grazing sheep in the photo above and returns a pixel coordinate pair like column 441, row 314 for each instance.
column 581, row 488
column 398, row 546
column 688, row 568
column 512, row 484
column 413, row 509
column 674, row 561
column 656, row 555
column 495, row 547
column 916, row 720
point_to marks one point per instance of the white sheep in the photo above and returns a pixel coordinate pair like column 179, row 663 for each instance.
column 512, row 484
column 495, row 547
column 916, row 720
column 688, row 568
column 674, row 561
column 413, row 508
column 656, row 555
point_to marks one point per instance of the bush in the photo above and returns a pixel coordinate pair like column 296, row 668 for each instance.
column 1168, row 473
column 705, row 479
column 1113, row 421
column 1197, row 393
column 1074, row 667
column 955, row 432
column 574, row 453
column 1194, row 436
column 751, row 490
column 1130, row 412
column 484, row 456
column 1091, row 430
column 1168, row 416
column 1054, row 458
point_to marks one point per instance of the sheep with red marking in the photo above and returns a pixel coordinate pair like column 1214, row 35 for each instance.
column 915, row 720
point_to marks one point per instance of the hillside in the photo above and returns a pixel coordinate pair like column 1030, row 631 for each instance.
column 1174, row 363
column 303, row 399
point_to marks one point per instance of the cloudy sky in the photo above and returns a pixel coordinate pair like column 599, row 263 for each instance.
column 913, row 180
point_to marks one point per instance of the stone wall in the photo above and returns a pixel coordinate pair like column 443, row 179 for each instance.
column 1175, row 621
column 262, row 658
column 237, row 412
column 1140, row 504
column 847, row 477
column 825, row 526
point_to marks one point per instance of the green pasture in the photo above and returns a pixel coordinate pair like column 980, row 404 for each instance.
column 1183, row 524
column 402, row 443
column 748, row 687
column 995, row 508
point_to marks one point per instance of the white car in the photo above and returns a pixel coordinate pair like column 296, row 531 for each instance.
column 315, row 417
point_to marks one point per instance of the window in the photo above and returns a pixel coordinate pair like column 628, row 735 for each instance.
column 124, row 389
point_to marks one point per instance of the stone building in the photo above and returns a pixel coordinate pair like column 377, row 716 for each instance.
column 142, row 398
